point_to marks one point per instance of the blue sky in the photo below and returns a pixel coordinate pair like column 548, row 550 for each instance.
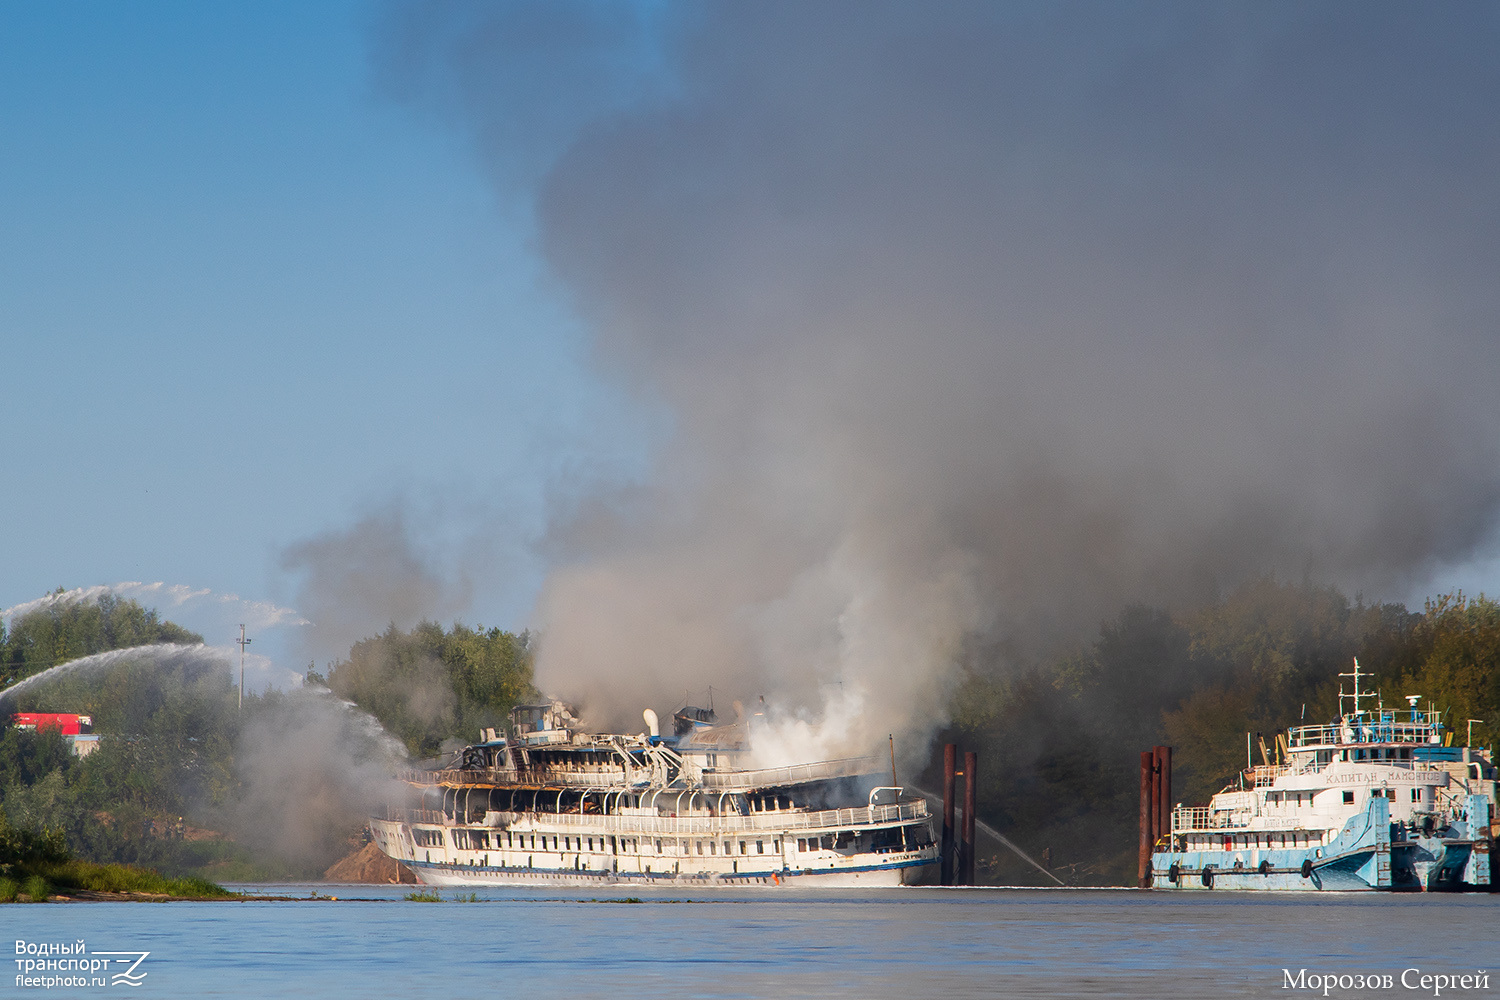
column 1007, row 295
column 245, row 297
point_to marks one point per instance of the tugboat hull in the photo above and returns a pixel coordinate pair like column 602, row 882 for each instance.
column 1362, row 859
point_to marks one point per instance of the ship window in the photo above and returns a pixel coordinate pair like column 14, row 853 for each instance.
column 727, row 848
column 713, row 847
column 742, row 848
column 801, row 843
column 1348, row 798
column 776, row 845
column 658, row 847
column 1416, row 796
column 1343, row 755
column 760, row 847
column 699, row 845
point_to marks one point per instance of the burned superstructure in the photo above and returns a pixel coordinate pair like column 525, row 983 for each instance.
column 546, row 802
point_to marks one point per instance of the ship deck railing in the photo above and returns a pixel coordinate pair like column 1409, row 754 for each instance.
column 1350, row 734
column 1265, row 775
column 1202, row 819
column 1193, row 819
column 602, row 778
column 770, row 777
column 683, row 826
column 532, row 777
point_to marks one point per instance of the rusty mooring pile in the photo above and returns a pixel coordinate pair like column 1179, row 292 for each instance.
column 958, row 865
column 1156, row 806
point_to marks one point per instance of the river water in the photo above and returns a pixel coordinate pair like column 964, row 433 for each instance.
column 773, row 942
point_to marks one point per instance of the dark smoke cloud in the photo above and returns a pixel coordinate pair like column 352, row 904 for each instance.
column 985, row 318
column 355, row 582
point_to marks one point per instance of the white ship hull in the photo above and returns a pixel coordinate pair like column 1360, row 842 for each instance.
column 609, row 861
column 454, row 876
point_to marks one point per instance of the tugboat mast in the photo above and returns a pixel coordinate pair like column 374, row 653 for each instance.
column 1358, row 694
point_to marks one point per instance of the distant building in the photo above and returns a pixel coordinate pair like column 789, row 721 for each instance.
column 78, row 730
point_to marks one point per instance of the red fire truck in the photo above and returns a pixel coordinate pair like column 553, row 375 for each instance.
column 68, row 725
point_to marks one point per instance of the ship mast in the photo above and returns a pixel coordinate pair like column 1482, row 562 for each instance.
column 1358, row 694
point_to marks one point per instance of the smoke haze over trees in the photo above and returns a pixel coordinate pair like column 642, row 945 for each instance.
column 281, row 788
column 1059, row 743
column 185, row 781
column 432, row 685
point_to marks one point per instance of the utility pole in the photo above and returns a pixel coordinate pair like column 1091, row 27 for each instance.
column 243, row 643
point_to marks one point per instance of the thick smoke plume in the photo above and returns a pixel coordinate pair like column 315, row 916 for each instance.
column 312, row 771
column 356, row 581
column 979, row 320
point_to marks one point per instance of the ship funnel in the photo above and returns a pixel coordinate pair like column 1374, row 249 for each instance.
column 651, row 724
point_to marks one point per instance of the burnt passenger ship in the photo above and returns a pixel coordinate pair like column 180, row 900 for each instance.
column 548, row 803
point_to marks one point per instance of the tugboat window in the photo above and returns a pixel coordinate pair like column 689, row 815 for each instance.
column 1348, row 798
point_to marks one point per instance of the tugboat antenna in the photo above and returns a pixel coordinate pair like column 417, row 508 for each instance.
column 1358, row 694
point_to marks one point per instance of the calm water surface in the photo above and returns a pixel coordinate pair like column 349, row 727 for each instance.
column 908, row 943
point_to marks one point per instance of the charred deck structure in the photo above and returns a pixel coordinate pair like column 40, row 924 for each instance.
column 547, row 803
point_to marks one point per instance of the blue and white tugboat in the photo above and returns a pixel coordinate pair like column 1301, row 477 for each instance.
column 1374, row 800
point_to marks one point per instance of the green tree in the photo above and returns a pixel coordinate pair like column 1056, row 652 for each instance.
column 1459, row 670
column 64, row 630
column 431, row 685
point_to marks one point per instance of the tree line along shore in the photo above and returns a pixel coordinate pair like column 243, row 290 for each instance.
column 178, row 794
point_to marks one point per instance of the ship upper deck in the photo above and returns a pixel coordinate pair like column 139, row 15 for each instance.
column 615, row 775
column 1364, row 728
column 850, row 817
